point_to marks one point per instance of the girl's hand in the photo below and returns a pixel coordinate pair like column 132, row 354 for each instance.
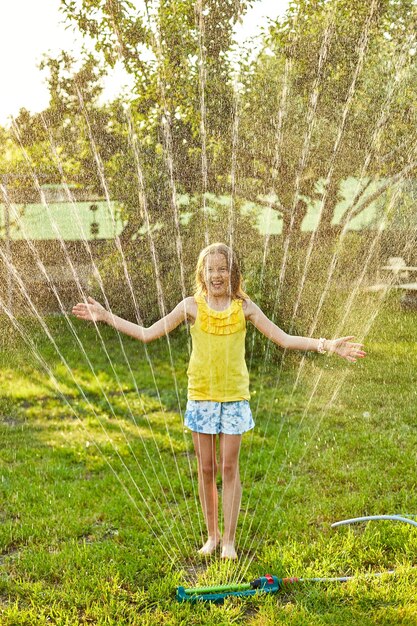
column 347, row 350
column 92, row 312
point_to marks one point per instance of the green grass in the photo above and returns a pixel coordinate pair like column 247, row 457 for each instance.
column 99, row 521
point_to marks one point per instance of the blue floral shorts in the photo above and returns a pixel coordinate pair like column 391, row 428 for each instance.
column 211, row 418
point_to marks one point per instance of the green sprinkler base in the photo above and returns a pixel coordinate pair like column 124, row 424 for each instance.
column 264, row 584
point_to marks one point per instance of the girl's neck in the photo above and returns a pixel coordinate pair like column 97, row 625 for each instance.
column 218, row 302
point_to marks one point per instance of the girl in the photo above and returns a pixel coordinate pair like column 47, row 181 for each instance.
column 218, row 380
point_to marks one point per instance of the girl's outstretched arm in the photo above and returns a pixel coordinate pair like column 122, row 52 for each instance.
column 341, row 346
column 93, row 311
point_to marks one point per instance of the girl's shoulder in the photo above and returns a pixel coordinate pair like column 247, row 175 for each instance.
column 191, row 307
column 248, row 307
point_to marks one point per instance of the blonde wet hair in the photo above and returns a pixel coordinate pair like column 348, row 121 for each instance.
column 232, row 264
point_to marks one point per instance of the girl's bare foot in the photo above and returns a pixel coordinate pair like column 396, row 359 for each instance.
column 210, row 545
column 228, row 551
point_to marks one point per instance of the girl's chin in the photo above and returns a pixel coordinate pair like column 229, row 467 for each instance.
column 218, row 292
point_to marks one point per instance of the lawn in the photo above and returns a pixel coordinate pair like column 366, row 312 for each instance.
column 100, row 520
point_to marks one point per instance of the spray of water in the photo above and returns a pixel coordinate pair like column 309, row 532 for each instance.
column 73, row 330
column 169, row 160
column 380, row 122
column 356, row 206
column 203, row 114
column 47, row 332
column 34, row 350
column 161, row 467
column 100, row 168
column 311, row 118
column 245, row 564
column 355, row 289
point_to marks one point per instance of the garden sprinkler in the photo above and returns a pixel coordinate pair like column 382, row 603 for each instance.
column 274, row 584
column 264, row 584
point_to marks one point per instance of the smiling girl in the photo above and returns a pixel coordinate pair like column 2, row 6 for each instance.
column 218, row 379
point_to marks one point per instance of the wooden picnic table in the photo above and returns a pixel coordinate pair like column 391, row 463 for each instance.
column 406, row 286
column 399, row 271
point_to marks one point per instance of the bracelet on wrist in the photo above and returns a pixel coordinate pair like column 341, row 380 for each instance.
column 320, row 346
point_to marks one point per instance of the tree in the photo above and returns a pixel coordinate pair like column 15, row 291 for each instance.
column 60, row 133
column 165, row 50
column 349, row 75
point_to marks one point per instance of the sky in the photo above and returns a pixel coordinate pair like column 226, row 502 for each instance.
column 31, row 28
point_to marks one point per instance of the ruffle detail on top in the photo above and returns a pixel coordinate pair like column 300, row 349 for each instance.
column 224, row 322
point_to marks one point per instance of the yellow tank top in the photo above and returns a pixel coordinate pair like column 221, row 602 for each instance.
column 217, row 369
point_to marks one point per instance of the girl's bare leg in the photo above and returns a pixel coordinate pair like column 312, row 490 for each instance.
column 232, row 490
column 205, row 449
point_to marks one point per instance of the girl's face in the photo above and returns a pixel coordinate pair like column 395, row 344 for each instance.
column 217, row 275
